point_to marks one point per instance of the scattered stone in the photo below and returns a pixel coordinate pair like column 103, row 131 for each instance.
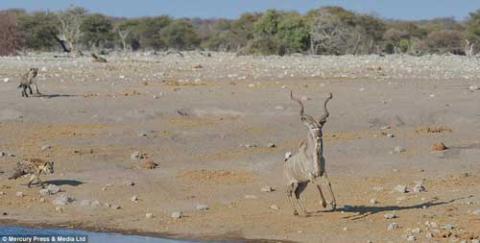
column 419, row 187
column 305, row 98
column 411, row 238
column 250, row 145
column 399, row 149
column 3, row 154
column 429, row 235
column 476, row 212
column 137, row 155
column 439, row 147
column 401, row 188
column 149, row 215
column 42, row 200
column 416, row 231
column 389, row 135
column 2, row 193
column 377, row 188
column 50, row 190
column 5, row 80
column 107, row 205
column 19, row 194
column 448, row 227
column 63, row 200
column 176, row 215
column 271, row 145
column 59, row 209
column 267, row 189
column 130, row 183
column 106, row 187
column 134, row 198
column 473, row 88
column 202, row 207
column 389, row 216
column 385, row 128
column 116, row 206
column 373, row 201
column 95, row 203
column 274, row 207
column 85, row 203
column 392, row 226
column 46, row 147
column 250, row 197
column 279, row 108
column 149, row 164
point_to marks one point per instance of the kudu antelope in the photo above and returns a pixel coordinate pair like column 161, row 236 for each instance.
column 307, row 164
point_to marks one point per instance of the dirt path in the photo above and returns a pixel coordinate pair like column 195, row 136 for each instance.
column 192, row 121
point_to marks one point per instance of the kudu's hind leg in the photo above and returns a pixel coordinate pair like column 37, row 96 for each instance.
column 290, row 189
column 298, row 191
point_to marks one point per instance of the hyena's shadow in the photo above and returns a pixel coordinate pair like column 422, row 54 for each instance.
column 64, row 182
column 49, row 96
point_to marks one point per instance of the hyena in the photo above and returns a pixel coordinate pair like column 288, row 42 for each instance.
column 27, row 80
column 34, row 168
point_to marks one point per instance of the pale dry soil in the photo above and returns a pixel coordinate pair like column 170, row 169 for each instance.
column 93, row 116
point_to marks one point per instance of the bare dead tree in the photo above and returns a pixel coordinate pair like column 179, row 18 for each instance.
column 10, row 41
column 330, row 35
column 69, row 32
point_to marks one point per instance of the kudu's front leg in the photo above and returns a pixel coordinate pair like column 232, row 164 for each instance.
column 333, row 203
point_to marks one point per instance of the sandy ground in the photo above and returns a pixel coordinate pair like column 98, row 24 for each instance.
column 192, row 115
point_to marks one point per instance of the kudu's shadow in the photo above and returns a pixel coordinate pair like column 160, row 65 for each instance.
column 64, row 182
column 362, row 211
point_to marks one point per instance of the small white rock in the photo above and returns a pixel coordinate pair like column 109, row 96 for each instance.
column 134, row 198
column 19, row 194
column 476, row 212
column 411, row 238
column 416, row 231
column 274, row 207
column 5, row 80
column 399, row 149
column 148, row 215
column 267, row 189
column 419, row 187
column 271, row 145
column 389, row 216
column 473, row 88
column 137, row 156
column 401, row 188
column 202, row 207
column 373, row 201
column 392, row 226
column 250, row 197
column 176, row 215
column 46, row 147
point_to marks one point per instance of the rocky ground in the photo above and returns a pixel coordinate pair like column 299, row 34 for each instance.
column 189, row 147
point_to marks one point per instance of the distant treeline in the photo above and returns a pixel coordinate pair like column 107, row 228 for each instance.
column 323, row 31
